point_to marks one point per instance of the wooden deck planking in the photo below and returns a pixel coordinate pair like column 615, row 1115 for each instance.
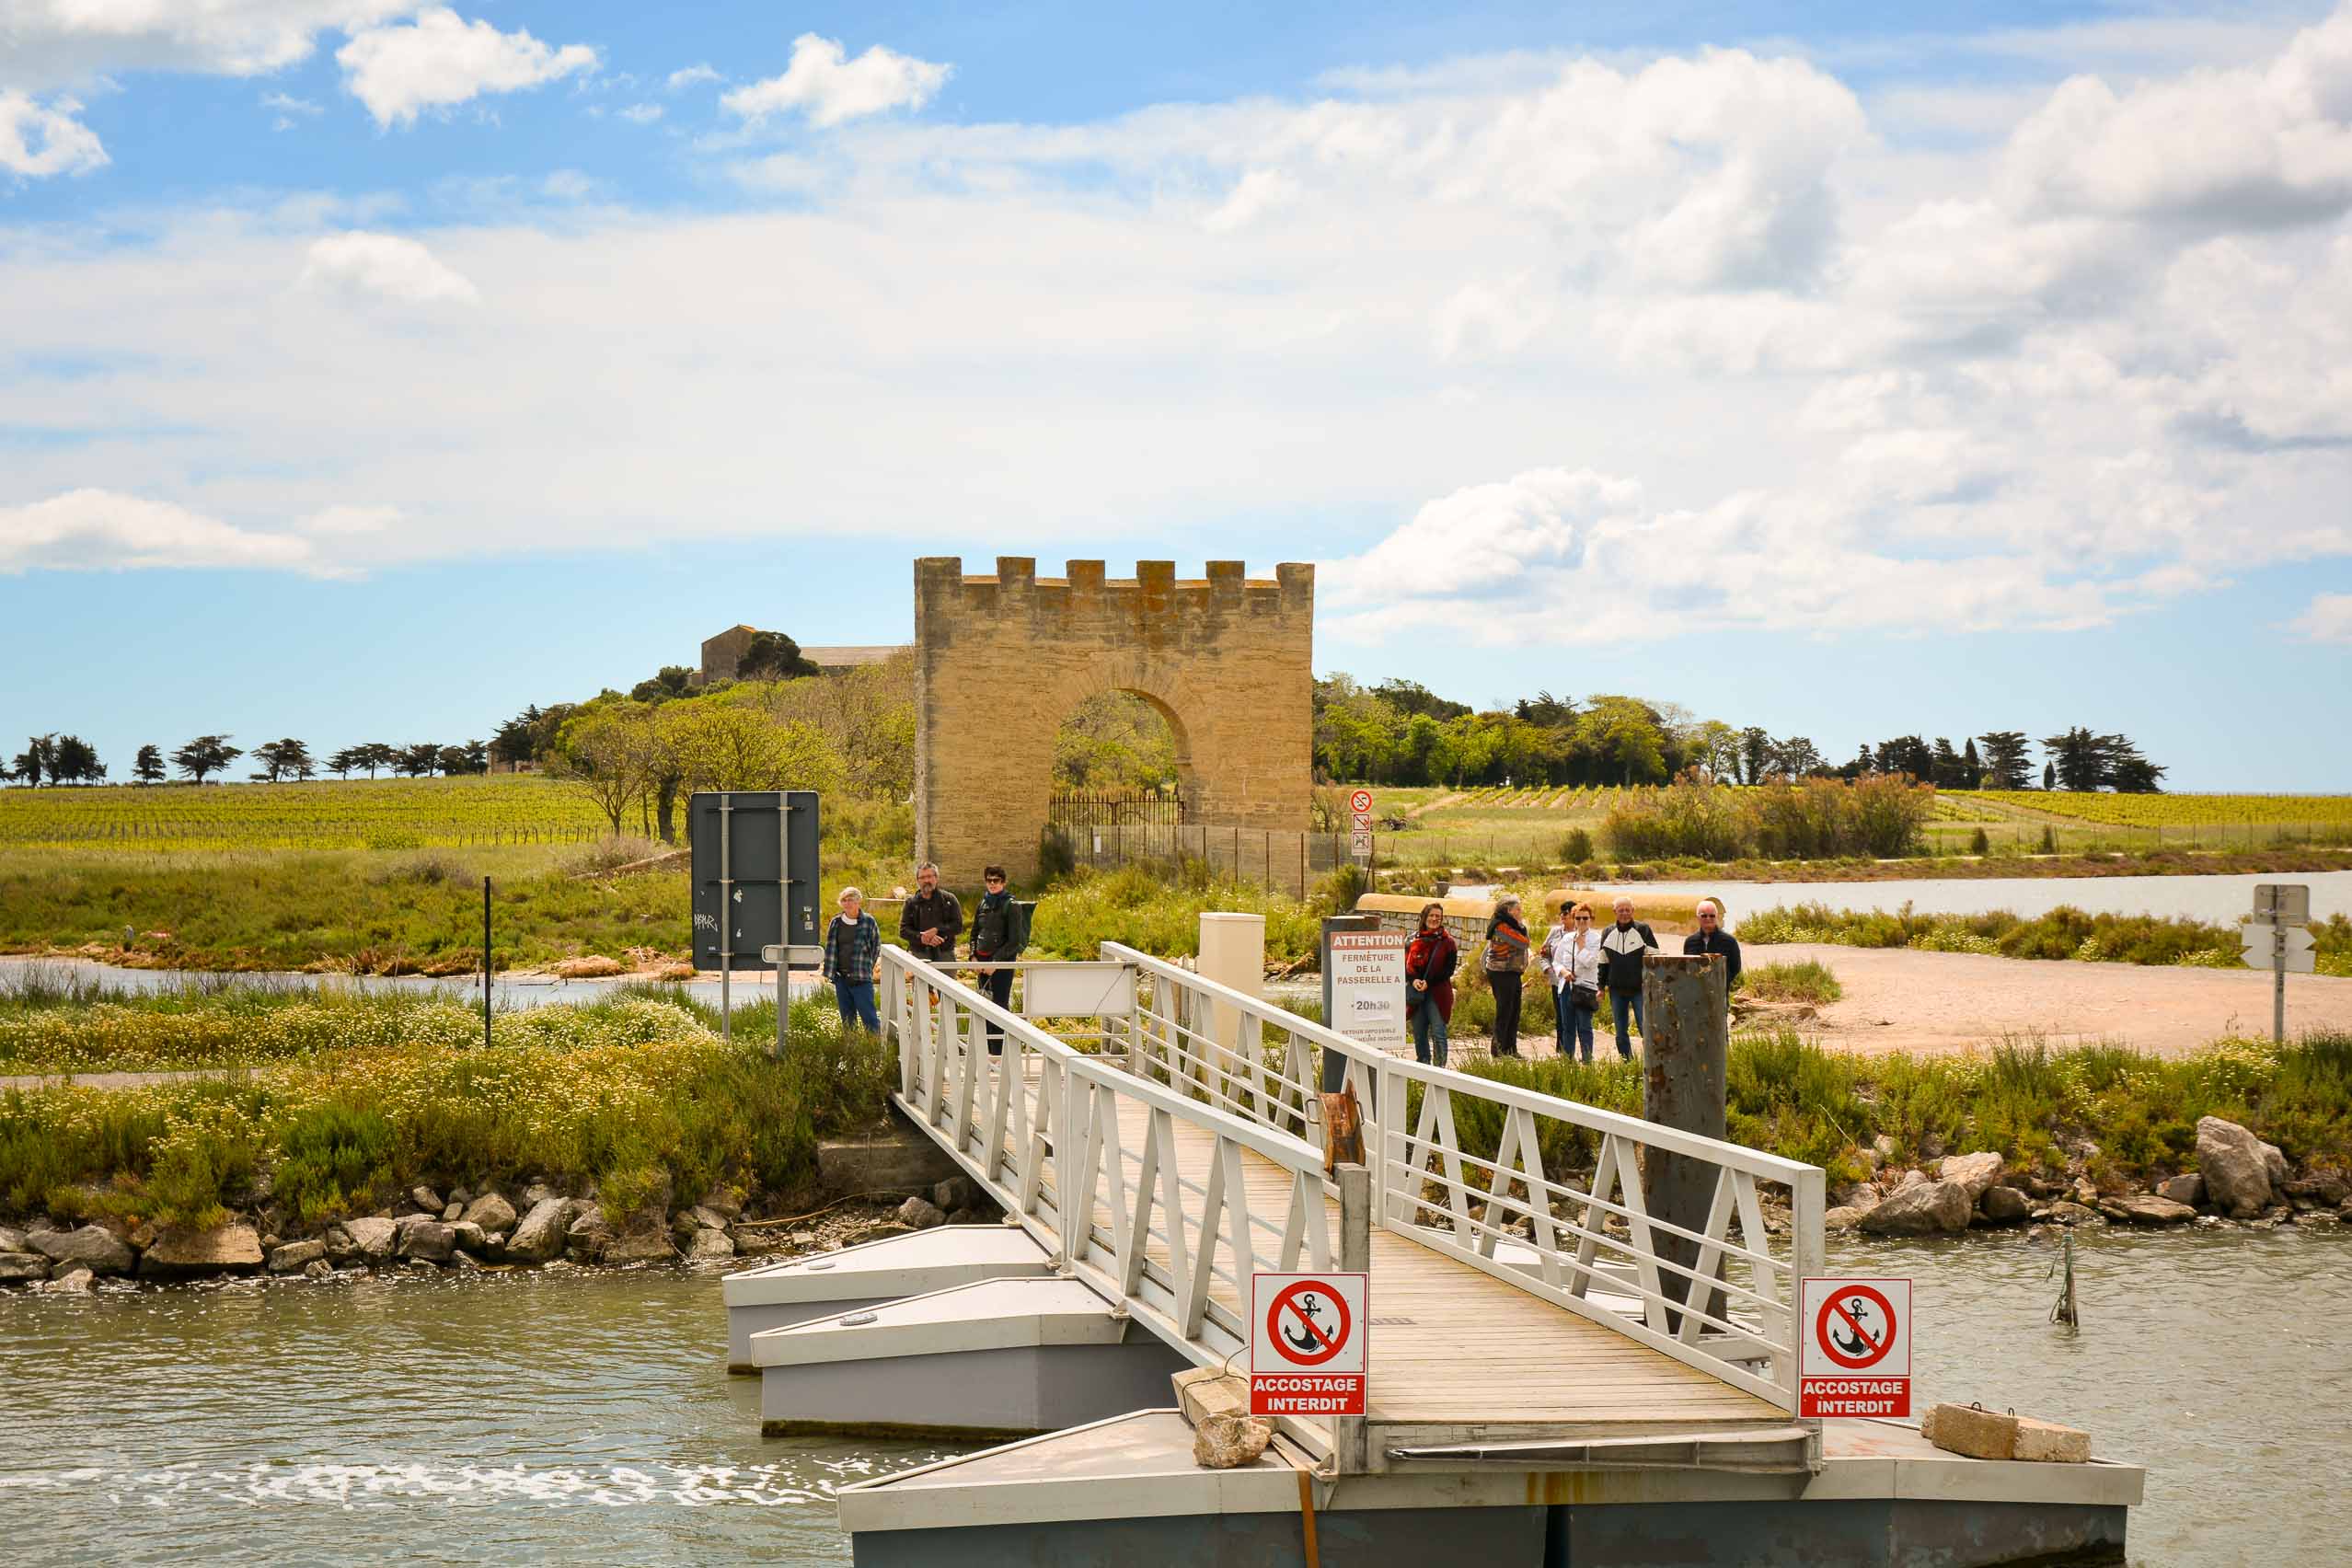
column 1479, row 1352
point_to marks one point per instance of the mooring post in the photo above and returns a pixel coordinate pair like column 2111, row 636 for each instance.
column 1351, row 1446
column 1686, row 1040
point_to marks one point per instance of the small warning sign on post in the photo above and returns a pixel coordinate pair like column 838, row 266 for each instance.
column 1307, row 1333
column 1857, row 1355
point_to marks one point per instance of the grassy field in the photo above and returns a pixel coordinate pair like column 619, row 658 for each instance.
column 1498, row 827
column 343, row 1104
column 384, row 814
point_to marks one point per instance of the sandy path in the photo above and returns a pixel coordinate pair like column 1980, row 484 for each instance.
column 1900, row 1000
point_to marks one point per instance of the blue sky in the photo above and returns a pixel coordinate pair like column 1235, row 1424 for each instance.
column 369, row 369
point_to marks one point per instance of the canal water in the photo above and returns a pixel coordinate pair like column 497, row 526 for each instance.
column 574, row 1417
column 2219, row 900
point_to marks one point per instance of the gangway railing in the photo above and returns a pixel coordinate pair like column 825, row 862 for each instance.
column 1735, row 1311
column 1040, row 1124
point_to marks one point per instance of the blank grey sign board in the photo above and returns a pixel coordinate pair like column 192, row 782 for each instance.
column 755, row 874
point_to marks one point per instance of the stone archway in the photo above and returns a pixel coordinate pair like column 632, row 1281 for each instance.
column 1001, row 661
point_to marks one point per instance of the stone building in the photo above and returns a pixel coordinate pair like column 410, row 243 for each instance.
column 1001, row 661
column 723, row 655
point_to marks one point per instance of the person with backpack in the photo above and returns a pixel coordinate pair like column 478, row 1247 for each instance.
column 1571, row 958
column 998, row 933
column 1430, row 959
column 1624, row 946
column 1506, row 963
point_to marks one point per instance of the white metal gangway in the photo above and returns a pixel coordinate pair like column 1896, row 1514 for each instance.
column 1182, row 1120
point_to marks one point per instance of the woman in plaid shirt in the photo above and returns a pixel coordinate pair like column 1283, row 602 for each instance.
column 852, row 948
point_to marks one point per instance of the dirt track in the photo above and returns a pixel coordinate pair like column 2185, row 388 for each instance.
column 1900, row 1000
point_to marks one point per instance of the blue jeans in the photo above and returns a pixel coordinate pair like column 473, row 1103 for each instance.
column 1429, row 1034
column 856, row 1001
column 1622, row 1003
column 1572, row 1027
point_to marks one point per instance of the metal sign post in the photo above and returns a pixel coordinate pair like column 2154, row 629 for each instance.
column 755, row 884
column 2277, row 939
column 1359, row 835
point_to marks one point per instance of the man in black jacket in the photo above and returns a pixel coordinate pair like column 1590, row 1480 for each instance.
column 1711, row 937
column 929, row 922
column 1623, row 947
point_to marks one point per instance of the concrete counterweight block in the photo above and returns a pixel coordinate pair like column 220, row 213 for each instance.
column 1000, row 1357
column 829, row 1284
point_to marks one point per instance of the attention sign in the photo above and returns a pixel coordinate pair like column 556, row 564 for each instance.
column 1307, row 1333
column 1857, row 1355
column 1368, row 974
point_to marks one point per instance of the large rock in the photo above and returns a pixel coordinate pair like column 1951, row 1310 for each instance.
column 2004, row 1205
column 490, row 1211
column 724, row 1201
column 707, row 1218
column 1228, row 1442
column 2188, row 1189
column 296, row 1256
column 709, row 1246
column 2065, row 1212
column 74, row 1281
column 468, row 1239
column 2237, row 1177
column 1924, row 1208
column 2274, row 1164
column 17, row 1267
column 2322, row 1189
column 374, row 1239
column 1845, row 1217
column 426, row 1239
column 2147, row 1208
column 589, row 1232
column 920, row 1214
column 191, row 1254
column 641, row 1247
column 13, row 1240
column 426, row 1199
column 93, row 1246
column 1973, row 1172
column 539, row 1235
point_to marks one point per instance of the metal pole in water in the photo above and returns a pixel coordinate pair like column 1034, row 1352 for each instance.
column 486, row 961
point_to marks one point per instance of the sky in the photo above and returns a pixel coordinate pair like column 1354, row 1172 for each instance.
column 369, row 369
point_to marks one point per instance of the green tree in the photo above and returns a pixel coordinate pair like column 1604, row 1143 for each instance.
column 609, row 749
column 671, row 680
column 37, row 761
column 1972, row 766
column 1755, row 754
column 148, row 766
column 283, row 759
column 2006, row 767
column 772, row 656
column 76, row 762
column 419, row 760
column 205, row 755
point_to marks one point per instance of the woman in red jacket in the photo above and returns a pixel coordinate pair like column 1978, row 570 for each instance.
column 1430, row 958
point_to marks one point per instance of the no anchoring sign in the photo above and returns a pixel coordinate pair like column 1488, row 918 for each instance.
column 1857, row 1355
column 1307, row 1343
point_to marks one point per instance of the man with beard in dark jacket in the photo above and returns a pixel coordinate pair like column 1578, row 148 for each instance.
column 929, row 922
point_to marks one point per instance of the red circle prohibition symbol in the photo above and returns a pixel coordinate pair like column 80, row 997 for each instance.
column 1286, row 1347
column 1360, row 801
column 1831, row 1310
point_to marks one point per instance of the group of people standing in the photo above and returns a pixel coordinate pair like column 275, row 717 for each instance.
column 1579, row 962
column 928, row 923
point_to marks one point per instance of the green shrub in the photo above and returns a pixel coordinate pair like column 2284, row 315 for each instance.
column 1979, row 843
column 1810, row 981
column 333, row 1160
column 1578, row 847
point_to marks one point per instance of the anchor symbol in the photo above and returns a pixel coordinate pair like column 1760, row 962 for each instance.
column 1861, row 1342
column 1311, row 1307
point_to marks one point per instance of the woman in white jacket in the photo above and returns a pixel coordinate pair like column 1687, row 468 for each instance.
column 1571, row 958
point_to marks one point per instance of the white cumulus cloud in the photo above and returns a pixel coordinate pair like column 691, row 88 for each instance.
column 2329, row 618
column 52, row 41
column 641, row 113
column 38, row 140
column 97, row 530
column 386, row 266
column 678, row 81
column 827, row 86
column 442, row 60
